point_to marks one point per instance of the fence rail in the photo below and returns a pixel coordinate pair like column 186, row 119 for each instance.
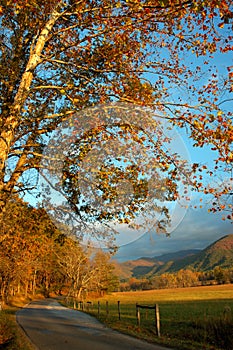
column 115, row 309
column 157, row 316
column 205, row 323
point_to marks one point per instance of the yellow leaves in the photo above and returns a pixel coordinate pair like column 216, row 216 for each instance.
column 221, row 25
column 109, row 60
column 124, row 221
column 128, row 21
column 197, row 124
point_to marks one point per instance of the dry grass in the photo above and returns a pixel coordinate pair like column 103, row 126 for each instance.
column 224, row 291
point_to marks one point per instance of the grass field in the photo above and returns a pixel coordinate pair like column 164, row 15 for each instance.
column 190, row 318
column 12, row 337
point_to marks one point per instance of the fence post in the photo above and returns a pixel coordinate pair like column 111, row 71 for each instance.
column 138, row 315
column 88, row 305
column 157, row 319
column 119, row 310
column 98, row 308
column 107, row 310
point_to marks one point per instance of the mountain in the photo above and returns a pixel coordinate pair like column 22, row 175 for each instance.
column 177, row 255
column 219, row 253
column 135, row 268
column 146, row 265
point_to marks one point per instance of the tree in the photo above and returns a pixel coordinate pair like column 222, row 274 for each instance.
column 104, row 279
column 75, row 264
column 84, row 273
column 28, row 240
column 60, row 57
column 186, row 278
column 36, row 257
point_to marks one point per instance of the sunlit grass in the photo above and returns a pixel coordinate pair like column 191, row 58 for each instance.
column 190, row 317
column 191, row 293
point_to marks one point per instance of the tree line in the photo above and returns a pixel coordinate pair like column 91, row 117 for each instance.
column 37, row 257
column 180, row 279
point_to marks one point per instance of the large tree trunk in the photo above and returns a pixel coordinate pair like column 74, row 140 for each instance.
column 79, row 293
column 5, row 291
column 11, row 122
column 34, row 283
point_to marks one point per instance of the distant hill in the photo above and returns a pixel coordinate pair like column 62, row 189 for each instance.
column 219, row 253
column 136, row 268
column 146, row 265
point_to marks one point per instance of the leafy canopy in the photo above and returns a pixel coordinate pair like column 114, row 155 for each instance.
column 60, row 57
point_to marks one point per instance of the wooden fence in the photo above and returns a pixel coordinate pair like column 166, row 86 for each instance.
column 104, row 308
column 156, row 313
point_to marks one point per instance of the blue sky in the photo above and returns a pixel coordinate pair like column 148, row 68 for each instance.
column 197, row 230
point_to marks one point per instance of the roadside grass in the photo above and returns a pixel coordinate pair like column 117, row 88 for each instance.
column 12, row 337
column 190, row 318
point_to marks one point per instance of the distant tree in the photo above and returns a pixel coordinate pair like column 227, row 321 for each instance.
column 83, row 272
column 221, row 275
column 186, row 278
column 104, row 279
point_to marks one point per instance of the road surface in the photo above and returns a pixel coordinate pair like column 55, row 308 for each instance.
column 51, row 326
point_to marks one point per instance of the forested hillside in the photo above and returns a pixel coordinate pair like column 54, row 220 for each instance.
column 218, row 254
column 183, row 268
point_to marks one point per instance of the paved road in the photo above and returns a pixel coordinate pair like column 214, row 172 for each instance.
column 51, row 326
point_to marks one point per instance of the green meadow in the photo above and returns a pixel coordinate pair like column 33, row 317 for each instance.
column 190, row 318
